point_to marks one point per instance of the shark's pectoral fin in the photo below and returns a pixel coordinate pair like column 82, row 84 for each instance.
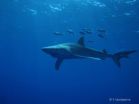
column 58, row 63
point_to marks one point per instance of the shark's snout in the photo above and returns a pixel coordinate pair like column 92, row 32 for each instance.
column 43, row 49
column 52, row 51
column 47, row 49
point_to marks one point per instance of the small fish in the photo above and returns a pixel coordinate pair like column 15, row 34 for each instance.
column 58, row 33
column 101, row 30
column 82, row 33
column 84, row 29
column 87, row 30
column 101, row 36
column 70, row 31
column 137, row 31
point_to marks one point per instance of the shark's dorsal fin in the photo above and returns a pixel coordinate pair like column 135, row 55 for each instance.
column 81, row 41
column 58, row 63
column 104, row 51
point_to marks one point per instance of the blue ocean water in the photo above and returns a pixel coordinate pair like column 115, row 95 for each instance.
column 28, row 75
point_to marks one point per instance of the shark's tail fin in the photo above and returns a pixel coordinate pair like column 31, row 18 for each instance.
column 124, row 54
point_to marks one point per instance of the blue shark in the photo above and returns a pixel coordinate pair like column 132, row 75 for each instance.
column 79, row 50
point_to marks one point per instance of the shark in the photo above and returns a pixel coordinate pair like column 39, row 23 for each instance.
column 78, row 50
